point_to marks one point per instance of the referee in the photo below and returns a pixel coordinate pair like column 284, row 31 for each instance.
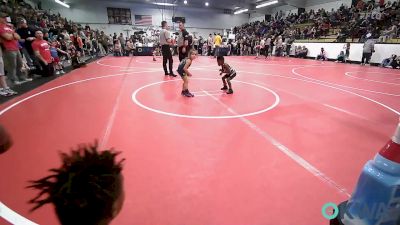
column 183, row 42
column 165, row 42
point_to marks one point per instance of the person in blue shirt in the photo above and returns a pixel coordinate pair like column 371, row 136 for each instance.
column 54, row 50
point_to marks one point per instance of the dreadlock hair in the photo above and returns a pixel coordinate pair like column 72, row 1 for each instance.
column 220, row 58
column 85, row 187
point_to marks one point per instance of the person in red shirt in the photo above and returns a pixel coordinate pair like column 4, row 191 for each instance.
column 12, row 57
column 41, row 49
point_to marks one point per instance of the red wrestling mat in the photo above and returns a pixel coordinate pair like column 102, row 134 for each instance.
column 293, row 136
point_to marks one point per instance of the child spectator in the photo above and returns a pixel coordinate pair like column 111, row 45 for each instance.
column 341, row 57
column 25, row 71
column 76, row 62
column 54, row 50
column 117, row 48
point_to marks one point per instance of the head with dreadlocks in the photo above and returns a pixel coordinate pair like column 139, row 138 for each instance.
column 86, row 190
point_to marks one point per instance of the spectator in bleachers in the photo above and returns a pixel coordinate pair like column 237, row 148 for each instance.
column 279, row 46
column 115, row 38
column 370, row 6
column 43, row 54
column 4, row 89
column 110, row 44
column 388, row 34
column 78, row 42
column 268, row 44
column 117, row 48
column 354, row 22
column 104, row 41
column 82, row 35
column 342, row 35
column 65, row 36
column 130, row 48
column 88, row 45
column 122, row 42
column 87, row 189
column 388, row 5
column 12, row 56
column 27, row 37
column 54, row 50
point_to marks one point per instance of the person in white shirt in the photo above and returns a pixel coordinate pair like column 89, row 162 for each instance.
column 210, row 42
column 267, row 46
column 322, row 55
column 262, row 47
column 166, row 42
column 279, row 46
column 117, row 48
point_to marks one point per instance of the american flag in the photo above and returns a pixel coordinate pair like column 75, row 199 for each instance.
column 143, row 20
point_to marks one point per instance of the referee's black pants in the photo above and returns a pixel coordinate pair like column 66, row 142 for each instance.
column 167, row 57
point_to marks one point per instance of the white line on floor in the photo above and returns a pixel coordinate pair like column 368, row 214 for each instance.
column 13, row 217
column 345, row 111
column 298, row 159
column 309, row 99
column 111, row 119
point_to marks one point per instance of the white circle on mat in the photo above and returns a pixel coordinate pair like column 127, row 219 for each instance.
column 349, row 74
column 137, row 102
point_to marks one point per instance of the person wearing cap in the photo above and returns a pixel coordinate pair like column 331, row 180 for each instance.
column 368, row 49
column 43, row 54
column 12, row 56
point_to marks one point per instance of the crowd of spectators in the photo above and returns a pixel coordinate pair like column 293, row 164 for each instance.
column 126, row 46
column 36, row 43
column 382, row 21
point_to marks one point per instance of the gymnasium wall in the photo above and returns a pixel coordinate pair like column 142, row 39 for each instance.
column 256, row 17
column 286, row 9
column 382, row 51
column 328, row 6
column 94, row 13
column 310, row 4
column 32, row 3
